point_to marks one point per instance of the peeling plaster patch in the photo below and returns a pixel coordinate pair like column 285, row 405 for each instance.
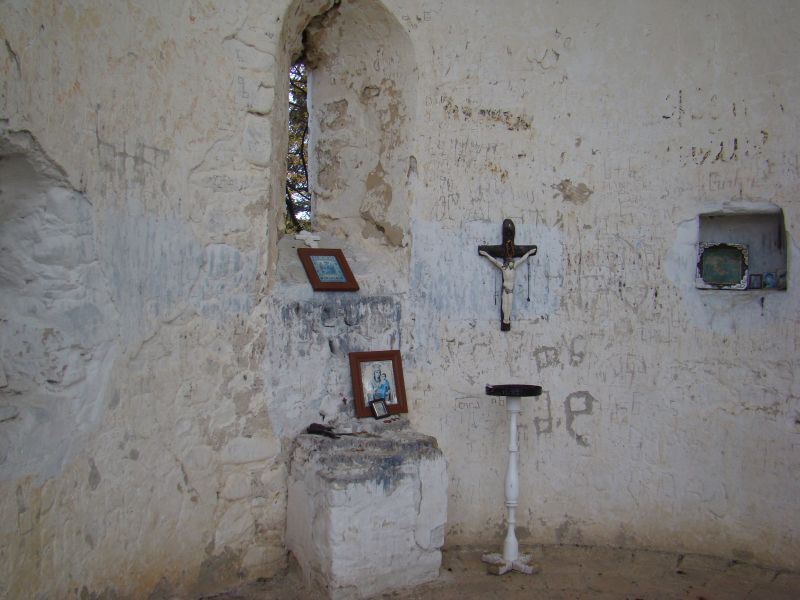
column 488, row 116
column 369, row 92
column 329, row 167
column 312, row 39
column 377, row 185
column 497, row 170
column 376, row 205
column 578, row 194
column 334, row 115
column 375, row 228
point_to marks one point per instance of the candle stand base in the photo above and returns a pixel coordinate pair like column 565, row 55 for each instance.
column 500, row 566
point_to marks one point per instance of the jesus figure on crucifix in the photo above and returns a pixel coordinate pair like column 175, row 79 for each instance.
column 512, row 256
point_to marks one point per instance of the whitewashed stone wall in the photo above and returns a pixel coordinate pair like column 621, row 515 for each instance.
column 137, row 452
column 366, row 515
column 144, row 442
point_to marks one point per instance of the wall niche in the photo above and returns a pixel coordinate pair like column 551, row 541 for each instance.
column 362, row 88
column 742, row 251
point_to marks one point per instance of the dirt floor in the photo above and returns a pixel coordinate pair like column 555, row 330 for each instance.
column 571, row 573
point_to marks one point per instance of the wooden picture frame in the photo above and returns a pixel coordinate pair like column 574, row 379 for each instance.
column 378, row 376
column 327, row 270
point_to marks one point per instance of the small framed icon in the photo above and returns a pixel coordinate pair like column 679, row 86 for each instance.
column 378, row 377
column 379, row 409
column 327, row 270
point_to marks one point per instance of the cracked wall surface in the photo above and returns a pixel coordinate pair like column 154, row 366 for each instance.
column 169, row 326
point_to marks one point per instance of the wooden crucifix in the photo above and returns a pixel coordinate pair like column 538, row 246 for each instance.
column 511, row 256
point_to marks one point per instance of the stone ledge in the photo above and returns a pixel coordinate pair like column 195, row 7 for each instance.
column 367, row 512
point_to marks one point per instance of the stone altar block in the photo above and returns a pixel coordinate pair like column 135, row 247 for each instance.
column 366, row 513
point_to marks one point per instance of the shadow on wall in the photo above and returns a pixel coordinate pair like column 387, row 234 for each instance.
column 57, row 319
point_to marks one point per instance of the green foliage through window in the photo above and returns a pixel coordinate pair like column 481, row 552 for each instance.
column 298, row 195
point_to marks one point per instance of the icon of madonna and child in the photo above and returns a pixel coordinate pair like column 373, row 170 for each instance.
column 378, row 382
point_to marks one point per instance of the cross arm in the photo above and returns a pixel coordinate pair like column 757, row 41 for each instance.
column 499, row 251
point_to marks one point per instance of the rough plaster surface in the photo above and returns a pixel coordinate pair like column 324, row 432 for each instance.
column 137, row 459
column 150, row 247
column 58, row 330
column 367, row 515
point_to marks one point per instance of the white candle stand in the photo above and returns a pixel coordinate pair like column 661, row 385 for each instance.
column 511, row 559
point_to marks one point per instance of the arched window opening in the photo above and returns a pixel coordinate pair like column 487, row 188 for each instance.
column 298, row 194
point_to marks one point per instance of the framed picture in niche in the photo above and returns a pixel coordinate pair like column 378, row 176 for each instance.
column 379, row 409
column 722, row 266
column 378, row 377
column 327, row 270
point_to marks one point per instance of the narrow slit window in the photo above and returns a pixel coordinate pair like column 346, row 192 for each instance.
column 298, row 193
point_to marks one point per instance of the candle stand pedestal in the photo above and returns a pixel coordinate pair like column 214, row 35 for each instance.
column 511, row 559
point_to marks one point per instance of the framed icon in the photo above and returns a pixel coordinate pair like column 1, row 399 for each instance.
column 378, row 376
column 327, row 270
column 723, row 266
